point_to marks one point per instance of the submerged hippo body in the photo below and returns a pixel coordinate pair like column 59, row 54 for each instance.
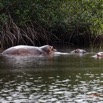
column 78, row 51
column 24, row 50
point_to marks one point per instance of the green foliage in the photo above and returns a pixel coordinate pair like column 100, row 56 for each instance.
column 62, row 17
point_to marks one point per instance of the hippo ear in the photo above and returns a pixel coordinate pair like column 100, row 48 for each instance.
column 46, row 49
column 52, row 49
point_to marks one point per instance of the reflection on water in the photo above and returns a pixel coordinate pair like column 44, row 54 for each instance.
column 62, row 79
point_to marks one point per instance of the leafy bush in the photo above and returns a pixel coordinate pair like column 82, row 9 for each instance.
column 36, row 22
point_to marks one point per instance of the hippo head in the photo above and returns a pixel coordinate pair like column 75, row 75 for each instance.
column 78, row 51
column 100, row 55
column 48, row 50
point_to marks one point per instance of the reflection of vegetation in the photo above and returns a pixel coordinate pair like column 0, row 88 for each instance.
column 36, row 22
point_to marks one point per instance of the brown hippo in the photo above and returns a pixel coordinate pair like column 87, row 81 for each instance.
column 78, row 51
column 24, row 50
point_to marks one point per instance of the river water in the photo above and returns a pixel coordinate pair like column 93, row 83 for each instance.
column 61, row 79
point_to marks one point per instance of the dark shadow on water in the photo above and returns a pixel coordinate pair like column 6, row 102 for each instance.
column 58, row 63
column 18, row 63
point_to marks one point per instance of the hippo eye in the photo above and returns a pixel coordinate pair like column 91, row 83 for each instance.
column 51, row 47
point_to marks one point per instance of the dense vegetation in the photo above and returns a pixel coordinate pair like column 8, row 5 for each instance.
column 39, row 22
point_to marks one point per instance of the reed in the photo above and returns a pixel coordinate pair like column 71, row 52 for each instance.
column 31, row 34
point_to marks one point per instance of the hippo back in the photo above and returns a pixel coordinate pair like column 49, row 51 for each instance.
column 23, row 50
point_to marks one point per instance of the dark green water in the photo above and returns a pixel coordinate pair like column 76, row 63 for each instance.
column 62, row 79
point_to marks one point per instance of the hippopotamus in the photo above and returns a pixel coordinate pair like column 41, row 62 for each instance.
column 25, row 50
column 78, row 51
column 98, row 55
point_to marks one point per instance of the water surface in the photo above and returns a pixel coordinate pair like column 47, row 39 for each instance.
column 61, row 79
